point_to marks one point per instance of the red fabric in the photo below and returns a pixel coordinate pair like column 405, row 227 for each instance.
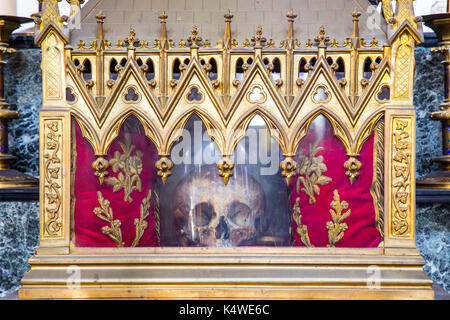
column 88, row 227
column 362, row 231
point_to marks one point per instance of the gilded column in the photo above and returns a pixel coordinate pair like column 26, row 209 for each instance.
column 400, row 136
column 55, row 144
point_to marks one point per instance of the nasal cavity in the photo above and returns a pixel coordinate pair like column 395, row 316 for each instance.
column 222, row 229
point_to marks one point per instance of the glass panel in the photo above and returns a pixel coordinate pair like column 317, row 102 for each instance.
column 251, row 210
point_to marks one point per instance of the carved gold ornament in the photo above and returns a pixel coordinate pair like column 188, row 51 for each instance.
column 401, row 185
column 225, row 169
column 352, row 165
column 337, row 227
column 164, row 165
column 53, row 178
column 288, row 166
column 310, row 170
column 100, row 166
column 129, row 167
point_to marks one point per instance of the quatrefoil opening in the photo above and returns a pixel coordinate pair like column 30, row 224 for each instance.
column 256, row 95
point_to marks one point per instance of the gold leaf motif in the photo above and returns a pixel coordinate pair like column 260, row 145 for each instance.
column 302, row 230
column 130, row 168
column 310, row 169
column 105, row 213
column 336, row 228
column 141, row 224
column 53, row 180
column 401, row 171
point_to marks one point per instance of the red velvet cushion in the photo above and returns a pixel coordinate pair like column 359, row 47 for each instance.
column 88, row 227
column 362, row 231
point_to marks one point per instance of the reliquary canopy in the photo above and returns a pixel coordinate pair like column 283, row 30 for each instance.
column 264, row 163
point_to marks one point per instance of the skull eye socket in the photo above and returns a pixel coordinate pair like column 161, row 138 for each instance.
column 203, row 214
column 239, row 213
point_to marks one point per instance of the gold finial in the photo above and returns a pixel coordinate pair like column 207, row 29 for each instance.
column 374, row 42
column 194, row 39
column 100, row 20
column 163, row 16
column 322, row 38
column 258, row 39
column 131, row 40
column 228, row 16
column 163, row 32
column 227, row 33
column 356, row 14
column 291, row 17
column 100, row 17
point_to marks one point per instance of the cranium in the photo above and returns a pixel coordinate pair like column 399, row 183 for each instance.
column 209, row 213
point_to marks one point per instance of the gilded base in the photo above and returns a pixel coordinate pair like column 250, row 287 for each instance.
column 146, row 276
column 15, row 179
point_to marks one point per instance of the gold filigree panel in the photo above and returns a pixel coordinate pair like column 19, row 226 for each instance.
column 402, row 177
column 53, row 180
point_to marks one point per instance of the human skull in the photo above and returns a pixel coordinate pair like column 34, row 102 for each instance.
column 211, row 214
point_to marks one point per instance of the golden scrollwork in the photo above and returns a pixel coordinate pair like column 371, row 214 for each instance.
column 310, row 170
column 129, row 167
column 401, row 180
column 336, row 228
column 53, row 178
